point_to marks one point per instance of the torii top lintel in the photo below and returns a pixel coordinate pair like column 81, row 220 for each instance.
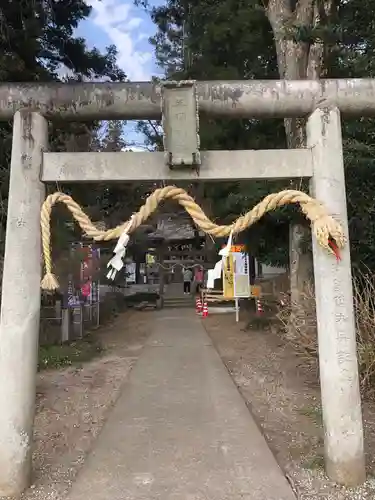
column 142, row 100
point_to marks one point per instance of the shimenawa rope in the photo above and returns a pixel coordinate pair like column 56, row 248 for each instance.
column 323, row 225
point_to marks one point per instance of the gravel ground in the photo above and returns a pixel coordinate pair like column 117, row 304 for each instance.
column 284, row 398
column 72, row 405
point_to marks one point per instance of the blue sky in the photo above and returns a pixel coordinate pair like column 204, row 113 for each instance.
column 120, row 23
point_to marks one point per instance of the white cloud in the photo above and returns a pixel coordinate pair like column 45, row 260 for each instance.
column 116, row 19
column 142, row 36
column 132, row 24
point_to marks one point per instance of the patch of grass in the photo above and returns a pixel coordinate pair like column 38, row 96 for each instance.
column 314, row 463
column 59, row 356
column 314, row 412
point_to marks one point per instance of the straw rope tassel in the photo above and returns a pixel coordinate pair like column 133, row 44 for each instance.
column 324, row 227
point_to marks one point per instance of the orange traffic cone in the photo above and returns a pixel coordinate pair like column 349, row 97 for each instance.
column 205, row 310
column 198, row 305
column 259, row 311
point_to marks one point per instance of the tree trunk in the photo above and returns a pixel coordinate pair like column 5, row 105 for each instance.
column 297, row 60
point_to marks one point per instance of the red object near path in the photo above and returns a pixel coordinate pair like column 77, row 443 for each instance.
column 198, row 305
column 259, row 310
column 86, row 289
column 335, row 249
column 205, row 310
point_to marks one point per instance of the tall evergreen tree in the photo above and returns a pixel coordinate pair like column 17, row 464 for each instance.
column 37, row 43
column 233, row 39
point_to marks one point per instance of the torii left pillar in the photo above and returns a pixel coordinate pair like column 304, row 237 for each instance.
column 20, row 305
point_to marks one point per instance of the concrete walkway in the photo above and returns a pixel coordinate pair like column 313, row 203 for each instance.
column 180, row 429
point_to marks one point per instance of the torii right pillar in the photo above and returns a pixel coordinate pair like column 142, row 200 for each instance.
column 339, row 381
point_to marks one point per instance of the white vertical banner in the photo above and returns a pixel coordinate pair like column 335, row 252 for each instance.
column 241, row 274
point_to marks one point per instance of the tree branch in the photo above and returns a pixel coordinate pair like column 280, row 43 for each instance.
column 152, row 125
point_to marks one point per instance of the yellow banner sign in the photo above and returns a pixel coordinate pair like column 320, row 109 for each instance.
column 228, row 277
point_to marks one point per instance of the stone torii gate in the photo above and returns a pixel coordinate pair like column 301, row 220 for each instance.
column 32, row 105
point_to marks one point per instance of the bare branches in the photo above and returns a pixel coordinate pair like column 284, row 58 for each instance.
column 154, row 128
